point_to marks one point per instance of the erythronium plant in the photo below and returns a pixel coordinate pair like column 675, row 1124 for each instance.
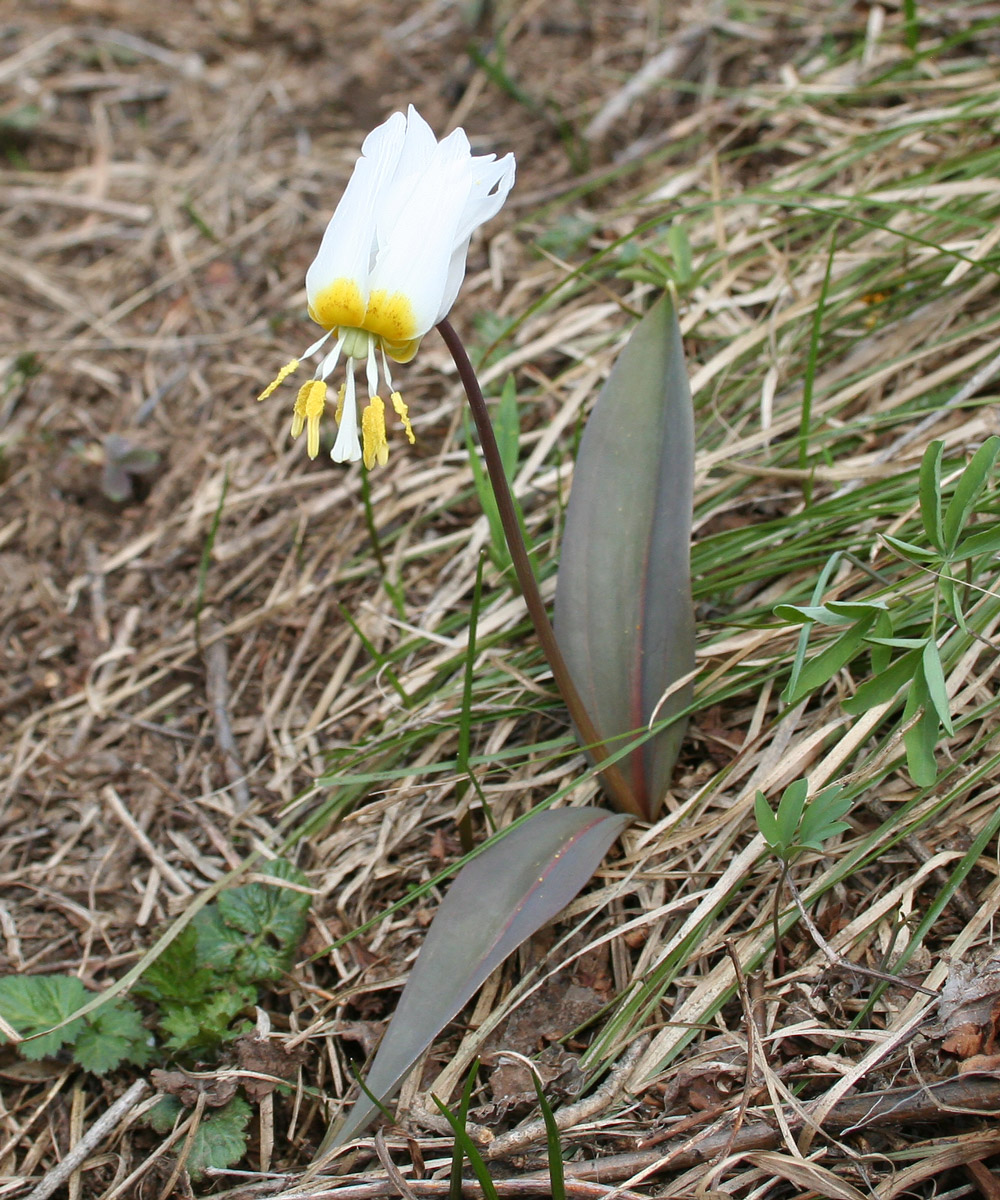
column 389, row 267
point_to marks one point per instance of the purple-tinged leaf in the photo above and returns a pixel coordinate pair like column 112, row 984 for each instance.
column 623, row 613
column 495, row 903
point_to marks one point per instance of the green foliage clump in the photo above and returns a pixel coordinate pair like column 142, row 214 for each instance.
column 920, row 625
column 209, row 973
column 201, row 985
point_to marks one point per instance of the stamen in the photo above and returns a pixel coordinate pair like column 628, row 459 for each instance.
column 373, row 433
column 404, row 415
column 279, row 379
column 386, row 373
column 328, row 363
column 310, row 404
column 318, row 343
column 371, row 369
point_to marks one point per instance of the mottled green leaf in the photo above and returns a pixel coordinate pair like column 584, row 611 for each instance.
column 623, row 613
column 495, row 902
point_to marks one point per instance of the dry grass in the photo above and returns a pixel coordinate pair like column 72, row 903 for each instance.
column 178, row 670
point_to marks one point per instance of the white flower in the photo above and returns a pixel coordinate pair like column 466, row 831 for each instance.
column 389, row 267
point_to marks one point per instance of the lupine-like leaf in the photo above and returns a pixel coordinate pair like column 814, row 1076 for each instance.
column 623, row 613
column 496, row 901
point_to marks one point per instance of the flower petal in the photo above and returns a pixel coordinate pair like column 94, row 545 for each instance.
column 491, row 182
column 337, row 279
column 481, row 205
column 412, row 268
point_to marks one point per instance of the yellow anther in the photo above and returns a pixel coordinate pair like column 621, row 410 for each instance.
column 338, row 416
column 404, row 415
column 373, row 439
column 280, row 378
column 310, row 404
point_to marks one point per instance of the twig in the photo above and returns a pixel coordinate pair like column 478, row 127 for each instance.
column 576, row 1189
column 572, row 1114
column 89, row 1142
column 399, row 1183
column 970, row 1093
column 753, row 1038
column 845, row 964
column 217, row 690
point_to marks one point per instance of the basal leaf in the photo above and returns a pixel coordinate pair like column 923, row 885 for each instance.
column 623, row 613
column 35, row 1003
column 111, row 1035
column 495, row 902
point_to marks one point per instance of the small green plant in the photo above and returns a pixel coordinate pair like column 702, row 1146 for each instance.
column 799, row 824
column 209, row 974
column 911, row 634
column 202, row 989
column 675, row 268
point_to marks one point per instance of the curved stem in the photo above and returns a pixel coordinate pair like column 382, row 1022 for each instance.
column 614, row 780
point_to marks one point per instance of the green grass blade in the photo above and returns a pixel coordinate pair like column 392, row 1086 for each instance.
column 468, row 1148
column 557, row 1180
column 929, row 491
